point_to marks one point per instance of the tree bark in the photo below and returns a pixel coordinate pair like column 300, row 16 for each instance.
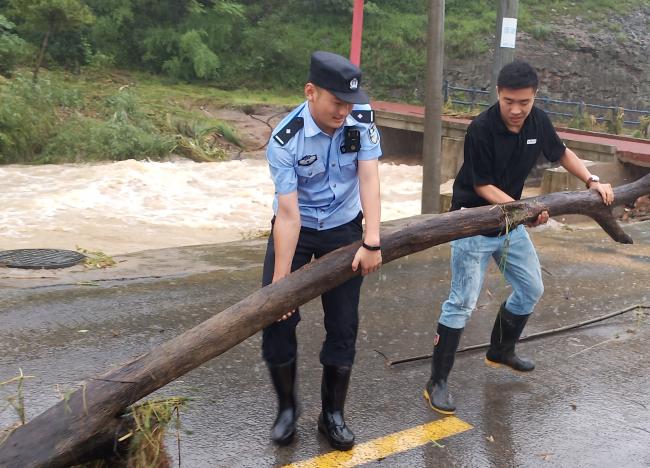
column 92, row 417
column 41, row 54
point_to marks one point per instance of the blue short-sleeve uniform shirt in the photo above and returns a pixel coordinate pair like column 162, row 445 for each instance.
column 305, row 159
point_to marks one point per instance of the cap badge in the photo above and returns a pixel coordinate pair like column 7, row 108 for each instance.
column 354, row 84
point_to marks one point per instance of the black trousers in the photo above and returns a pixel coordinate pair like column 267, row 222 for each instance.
column 340, row 304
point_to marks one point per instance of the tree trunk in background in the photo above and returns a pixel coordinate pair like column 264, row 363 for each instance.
column 41, row 54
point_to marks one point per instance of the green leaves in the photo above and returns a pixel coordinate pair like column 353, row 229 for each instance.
column 11, row 47
column 43, row 123
column 55, row 15
column 194, row 59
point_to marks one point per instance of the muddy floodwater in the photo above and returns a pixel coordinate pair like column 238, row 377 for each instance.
column 132, row 205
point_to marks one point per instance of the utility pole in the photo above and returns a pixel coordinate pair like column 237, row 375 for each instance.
column 504, row 46
column 432, row 143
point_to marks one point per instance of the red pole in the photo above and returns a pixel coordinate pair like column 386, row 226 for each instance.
column 357, row 30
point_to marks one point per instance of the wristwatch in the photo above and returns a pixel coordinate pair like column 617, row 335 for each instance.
column 592, row 178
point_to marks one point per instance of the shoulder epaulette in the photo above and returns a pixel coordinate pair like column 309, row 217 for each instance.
column 363, row 116
column 289, row 130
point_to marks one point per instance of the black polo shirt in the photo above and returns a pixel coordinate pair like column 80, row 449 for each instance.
column 495, row 155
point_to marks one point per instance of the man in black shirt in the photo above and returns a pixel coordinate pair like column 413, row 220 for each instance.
column 501, row 147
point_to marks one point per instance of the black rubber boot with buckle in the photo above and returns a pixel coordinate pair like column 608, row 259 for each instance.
column 505, row 334
column 444, row 352
column 334, row 388
column 284, row 378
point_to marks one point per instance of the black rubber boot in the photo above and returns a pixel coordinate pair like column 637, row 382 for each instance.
column 505, row 334
column 334, row 388
column 444, row 352
column 284, row 378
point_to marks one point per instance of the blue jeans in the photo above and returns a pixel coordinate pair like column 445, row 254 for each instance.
column 517, row 260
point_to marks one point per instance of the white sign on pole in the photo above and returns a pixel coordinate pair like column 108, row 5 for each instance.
column 508, row 32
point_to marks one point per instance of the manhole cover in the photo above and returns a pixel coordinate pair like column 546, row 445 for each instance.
column 39, row 258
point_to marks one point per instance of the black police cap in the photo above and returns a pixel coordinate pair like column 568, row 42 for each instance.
column 338, row 75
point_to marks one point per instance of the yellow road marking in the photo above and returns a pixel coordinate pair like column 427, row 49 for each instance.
column 388, row 445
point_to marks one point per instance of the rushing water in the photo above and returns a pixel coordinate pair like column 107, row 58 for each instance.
column 132, row 205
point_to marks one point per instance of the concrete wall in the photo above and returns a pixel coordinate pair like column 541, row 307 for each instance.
column 402, row 134
column 397, row 143
column 592, row 151
column 452, row 157
column 401, row 140
column 406, row 146
column 557, row 179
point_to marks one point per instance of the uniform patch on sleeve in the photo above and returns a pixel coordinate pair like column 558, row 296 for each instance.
column 373, row 134
column 289, row 130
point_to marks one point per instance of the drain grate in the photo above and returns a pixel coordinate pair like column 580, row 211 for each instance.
column 39, row 258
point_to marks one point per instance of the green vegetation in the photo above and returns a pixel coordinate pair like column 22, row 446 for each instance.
column 42, row 19
column 615, row 122
column 47, row 122
column 644, row 130
column 569, row 43
column 115, row 116
column 129, row 78
column 583, row 121
column 11, row 46
column 541, row 32
column 266, row 44
column 96, row 258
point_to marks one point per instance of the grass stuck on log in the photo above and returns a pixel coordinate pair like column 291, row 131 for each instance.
column 16, row 400
column 151, row 420
column 148, row 421
column 144, row 442
column 144, row 445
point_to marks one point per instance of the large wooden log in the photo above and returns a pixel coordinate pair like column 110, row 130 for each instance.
column 91, row 418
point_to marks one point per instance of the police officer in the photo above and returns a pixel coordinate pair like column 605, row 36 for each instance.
column 501, row 147
column 323, row 159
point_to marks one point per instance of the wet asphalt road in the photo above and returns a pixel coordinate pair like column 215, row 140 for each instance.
column 586, row 405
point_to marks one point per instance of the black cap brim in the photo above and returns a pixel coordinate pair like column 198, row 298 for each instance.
column 357, row 97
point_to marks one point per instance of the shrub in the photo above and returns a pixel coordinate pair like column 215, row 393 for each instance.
column 87, row 139
column 541, row 31
column 126, row 133
column 11, row 47
column 43, row 123
column 27, row 119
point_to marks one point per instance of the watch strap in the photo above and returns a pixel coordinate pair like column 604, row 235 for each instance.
column 592, row 178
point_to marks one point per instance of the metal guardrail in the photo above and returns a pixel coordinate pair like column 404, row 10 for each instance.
column 475, row 97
